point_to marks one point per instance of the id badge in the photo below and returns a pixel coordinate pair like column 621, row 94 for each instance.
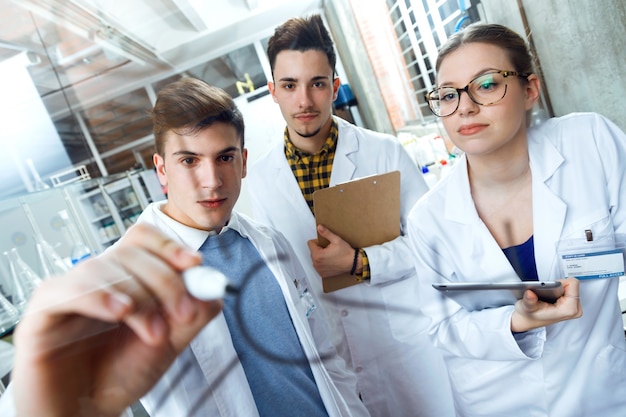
column 593, row 257
column 306, row 298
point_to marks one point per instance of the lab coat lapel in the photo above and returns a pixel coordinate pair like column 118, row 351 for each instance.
column 548, row 209
column 459, row 206
column 289, row 187
column 344, row 165
column 488, row 262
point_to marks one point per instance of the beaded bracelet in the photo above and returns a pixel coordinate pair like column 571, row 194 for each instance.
column 356, row 258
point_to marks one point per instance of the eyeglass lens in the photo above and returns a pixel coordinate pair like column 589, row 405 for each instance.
column 484, row 90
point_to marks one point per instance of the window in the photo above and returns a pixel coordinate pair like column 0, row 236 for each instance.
column 422, row 26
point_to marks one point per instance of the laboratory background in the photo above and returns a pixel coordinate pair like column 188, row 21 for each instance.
column 78, row 78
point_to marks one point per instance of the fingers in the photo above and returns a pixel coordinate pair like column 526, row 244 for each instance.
column 571, row 287
column 531, row 313
column 530, row 301
column 334, row 259
column 137, row 282
column 160, row 279
column 96, row 290
column 177, row 312
column 326, row 233
column 123, row 312
column 569, row 303
column 156, row 262
column 68, row 308
column 152, row 240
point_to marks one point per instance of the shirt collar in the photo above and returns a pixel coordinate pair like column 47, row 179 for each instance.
column 329, row 146
column 192, row 237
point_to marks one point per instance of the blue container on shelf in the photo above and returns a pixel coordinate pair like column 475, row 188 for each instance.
column 345, row 97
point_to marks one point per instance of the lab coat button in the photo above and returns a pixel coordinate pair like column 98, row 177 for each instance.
column 344, row 313
column 359, row 369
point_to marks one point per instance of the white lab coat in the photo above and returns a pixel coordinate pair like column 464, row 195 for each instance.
column 209, row 368
column 575, row 368
column 215, row 362
column 378, row 326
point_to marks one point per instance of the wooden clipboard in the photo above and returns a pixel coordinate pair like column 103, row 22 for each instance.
column 363, row 212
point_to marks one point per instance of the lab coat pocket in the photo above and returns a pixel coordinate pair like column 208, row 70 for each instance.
column 401, row 303
column 607, row 382
column 598, row 221
column 492, row 388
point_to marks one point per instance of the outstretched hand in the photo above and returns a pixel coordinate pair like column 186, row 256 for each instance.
column 531, row 313
column 334, row 259
column 96, row 339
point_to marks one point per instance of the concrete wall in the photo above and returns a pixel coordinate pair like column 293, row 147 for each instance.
column 581, row 48
column 358, row 68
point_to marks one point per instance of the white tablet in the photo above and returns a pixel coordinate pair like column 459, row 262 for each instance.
column 480, row 295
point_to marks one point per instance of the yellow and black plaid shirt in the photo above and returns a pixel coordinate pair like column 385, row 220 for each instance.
column 313, row 173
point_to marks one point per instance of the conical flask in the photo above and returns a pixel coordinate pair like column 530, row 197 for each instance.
column 24, row 279
column 9, row 315
column 50, row 261
column 80, row 251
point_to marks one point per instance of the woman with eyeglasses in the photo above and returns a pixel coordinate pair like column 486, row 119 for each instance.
column 523, row 203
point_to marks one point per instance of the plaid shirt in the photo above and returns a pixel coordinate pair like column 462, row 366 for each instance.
column 313, row 173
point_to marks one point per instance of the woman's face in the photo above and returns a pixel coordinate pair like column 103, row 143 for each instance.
column 496, row 128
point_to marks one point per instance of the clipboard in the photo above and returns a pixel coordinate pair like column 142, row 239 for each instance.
column 363, row 212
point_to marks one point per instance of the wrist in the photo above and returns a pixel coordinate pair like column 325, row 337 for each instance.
column 355, row 263
column 521, row 323
column 517, row 323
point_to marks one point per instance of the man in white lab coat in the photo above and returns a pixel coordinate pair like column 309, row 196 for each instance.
column 377, row 324
column 201, row 159
column 269, row 352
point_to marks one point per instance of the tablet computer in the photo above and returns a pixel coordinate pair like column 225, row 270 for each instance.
column 480, row 295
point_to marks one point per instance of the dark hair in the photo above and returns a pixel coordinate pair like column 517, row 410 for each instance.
column 512, row 43
column 189, row 105
column 301, row 34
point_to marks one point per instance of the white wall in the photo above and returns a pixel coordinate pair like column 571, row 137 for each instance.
column 265, row 127
column 580, row 46
column 27, row 131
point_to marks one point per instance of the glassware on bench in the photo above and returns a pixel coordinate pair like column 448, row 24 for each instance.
column 23, row 279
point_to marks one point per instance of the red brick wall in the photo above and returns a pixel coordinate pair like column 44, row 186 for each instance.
column 372, row 19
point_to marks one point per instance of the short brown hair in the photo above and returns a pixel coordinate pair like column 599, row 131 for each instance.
column 189, row 105
column 301, row 34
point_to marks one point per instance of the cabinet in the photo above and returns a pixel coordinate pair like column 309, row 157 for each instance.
column 108, row 206
column 98, row 210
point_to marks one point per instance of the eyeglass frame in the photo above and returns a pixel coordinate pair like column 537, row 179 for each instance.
column 504, row 73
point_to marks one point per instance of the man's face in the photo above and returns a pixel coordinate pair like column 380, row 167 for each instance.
column 202, row 173
column 304, row 88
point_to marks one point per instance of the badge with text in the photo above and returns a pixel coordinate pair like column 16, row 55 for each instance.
column 598, row 258
column 605, row 264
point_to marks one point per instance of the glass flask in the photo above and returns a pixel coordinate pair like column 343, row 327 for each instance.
column 50, row 261
column 80, row 251
column 24, row 279
column 9, row 315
